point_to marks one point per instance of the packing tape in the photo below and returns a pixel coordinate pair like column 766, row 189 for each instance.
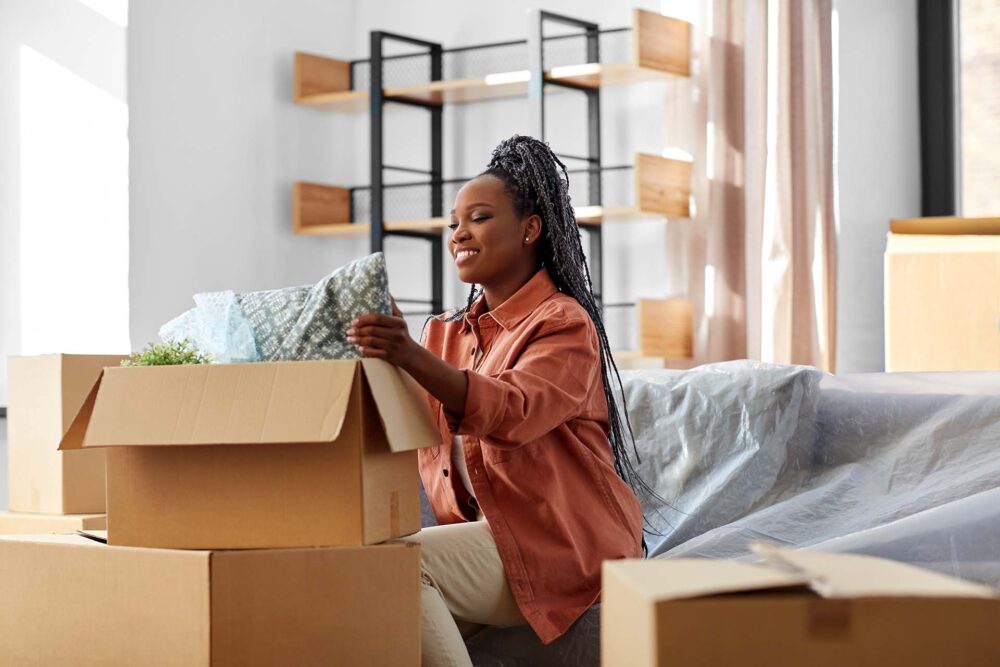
column 829, row 619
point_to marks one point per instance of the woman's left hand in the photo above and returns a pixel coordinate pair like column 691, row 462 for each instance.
column 383, row 337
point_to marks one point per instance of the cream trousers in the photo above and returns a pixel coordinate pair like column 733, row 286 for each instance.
column 463, row 588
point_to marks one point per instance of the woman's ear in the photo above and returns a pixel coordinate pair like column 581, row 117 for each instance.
column 532, row 227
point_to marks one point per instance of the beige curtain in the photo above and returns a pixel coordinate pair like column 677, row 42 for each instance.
column 764, row 228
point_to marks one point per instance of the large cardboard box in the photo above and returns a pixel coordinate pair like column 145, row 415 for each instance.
column 942, row 295
column 45, row 393
column 803, row 608
column 68, row 600
column 229, row 456
column 25, row 523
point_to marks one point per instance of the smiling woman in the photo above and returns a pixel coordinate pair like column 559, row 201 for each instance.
column 531, row 484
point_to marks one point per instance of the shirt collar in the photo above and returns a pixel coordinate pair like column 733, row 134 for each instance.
column 521, row 304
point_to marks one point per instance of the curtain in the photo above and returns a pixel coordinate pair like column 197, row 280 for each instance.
column 765, row 220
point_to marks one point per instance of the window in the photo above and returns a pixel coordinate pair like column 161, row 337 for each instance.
column 979, row 85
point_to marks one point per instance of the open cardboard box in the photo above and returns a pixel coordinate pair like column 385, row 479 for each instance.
column 70, row 600
column 266, row 455
column 800, row 608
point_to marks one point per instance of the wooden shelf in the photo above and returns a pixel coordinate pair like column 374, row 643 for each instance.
column 662, row 186
column 661, row 48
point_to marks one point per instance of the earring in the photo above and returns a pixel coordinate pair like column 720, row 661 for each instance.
column 525, row 239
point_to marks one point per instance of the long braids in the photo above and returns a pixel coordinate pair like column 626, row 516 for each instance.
column 538, row 182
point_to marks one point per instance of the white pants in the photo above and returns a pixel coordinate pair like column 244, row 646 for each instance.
column 463, row 588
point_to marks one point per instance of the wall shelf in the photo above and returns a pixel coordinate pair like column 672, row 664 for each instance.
column 660, row 49
column 581, row 58
column 663, row 187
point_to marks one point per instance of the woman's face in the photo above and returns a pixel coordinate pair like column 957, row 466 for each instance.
column 488, row 238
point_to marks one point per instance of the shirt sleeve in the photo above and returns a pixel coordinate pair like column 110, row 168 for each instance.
column 548, row 386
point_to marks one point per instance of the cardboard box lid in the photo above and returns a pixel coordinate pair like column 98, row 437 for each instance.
column 945, row 225
column 825, row 574
column 835, row 575
column 219, row 404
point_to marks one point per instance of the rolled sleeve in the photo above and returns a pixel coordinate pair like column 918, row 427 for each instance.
column 547, row 387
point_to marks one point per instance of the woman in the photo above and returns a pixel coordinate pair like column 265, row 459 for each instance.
column 530, row 492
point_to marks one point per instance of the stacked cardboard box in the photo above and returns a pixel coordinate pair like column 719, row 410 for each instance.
column 252, row 506
column 942, row 294
column 800, row 608
column 51, row 491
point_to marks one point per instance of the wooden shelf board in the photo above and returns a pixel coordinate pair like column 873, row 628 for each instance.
column 493, row 86
column 594, row 216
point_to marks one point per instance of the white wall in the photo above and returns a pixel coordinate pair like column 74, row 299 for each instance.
column 216, row 144
column 42, row 41
column 879, row 170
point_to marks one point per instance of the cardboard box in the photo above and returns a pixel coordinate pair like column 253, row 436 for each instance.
column 267, row 455
column 666, row 328
column 45, row 394
column 803, row 608
column 942, row 295
column 23, row 523
column 68, row 600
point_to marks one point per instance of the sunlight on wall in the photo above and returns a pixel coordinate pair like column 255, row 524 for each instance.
column 113, row 10
column 74, row 212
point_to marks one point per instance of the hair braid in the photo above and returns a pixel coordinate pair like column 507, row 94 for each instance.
column 538, row 183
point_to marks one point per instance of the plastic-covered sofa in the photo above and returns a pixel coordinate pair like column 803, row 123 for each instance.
column 900, row 465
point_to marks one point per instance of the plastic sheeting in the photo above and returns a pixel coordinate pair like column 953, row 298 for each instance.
column 903, row 466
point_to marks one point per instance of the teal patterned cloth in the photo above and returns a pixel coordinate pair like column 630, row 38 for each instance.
column 289, row 324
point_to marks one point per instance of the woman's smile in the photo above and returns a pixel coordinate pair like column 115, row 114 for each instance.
column 463, row 255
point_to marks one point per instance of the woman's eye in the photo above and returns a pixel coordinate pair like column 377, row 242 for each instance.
column 481, row 218
column 453, row 226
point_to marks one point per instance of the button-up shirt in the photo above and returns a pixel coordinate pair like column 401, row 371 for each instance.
column 535, row 441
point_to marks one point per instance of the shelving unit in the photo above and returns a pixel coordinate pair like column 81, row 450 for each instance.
column 660, row 187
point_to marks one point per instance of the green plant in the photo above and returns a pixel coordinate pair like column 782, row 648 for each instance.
column 168, row 354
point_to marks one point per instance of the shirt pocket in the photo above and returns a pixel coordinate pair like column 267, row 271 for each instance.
column 494, row 454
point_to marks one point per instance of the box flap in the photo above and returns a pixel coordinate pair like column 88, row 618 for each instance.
column 950, row 225
column 283, row 402
column 682, row 578
column 402, row 407
column 73, row 438
column 851, row 575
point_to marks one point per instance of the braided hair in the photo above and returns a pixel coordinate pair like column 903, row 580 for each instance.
column 538, row 184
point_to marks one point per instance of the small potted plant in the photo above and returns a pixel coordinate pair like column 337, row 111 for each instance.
column 175, row 353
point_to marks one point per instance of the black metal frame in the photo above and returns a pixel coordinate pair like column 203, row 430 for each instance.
column 536, row 96
column 378, row 99
column 938, row 155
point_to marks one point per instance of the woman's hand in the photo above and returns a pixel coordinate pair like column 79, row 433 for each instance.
column 383, row 337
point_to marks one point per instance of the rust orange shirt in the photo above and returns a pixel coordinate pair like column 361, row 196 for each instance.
column 535, row 443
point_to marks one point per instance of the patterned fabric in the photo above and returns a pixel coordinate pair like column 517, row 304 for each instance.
column 294, row 323
column 310, row 322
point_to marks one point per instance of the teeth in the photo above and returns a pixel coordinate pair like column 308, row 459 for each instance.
column 466, row 253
